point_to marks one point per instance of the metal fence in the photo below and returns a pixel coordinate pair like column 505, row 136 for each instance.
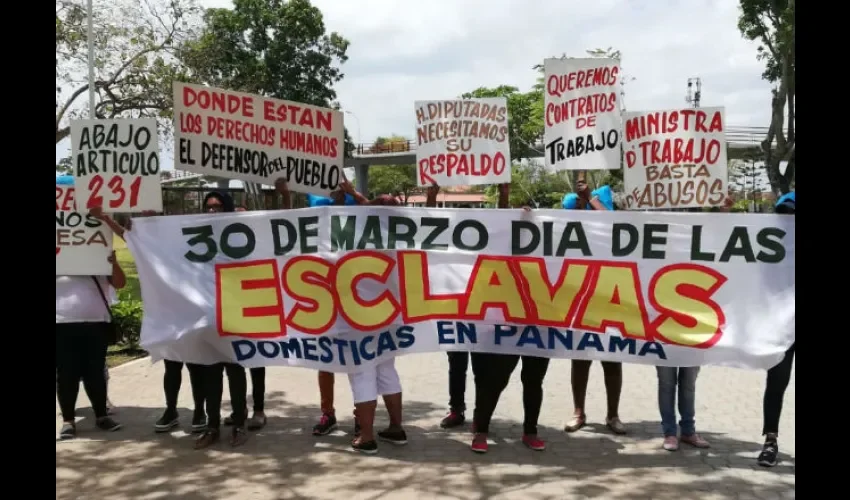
column 179, row 200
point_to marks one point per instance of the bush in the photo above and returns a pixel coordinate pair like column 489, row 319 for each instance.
column 127, row 316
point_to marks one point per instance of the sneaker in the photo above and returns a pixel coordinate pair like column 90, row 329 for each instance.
column 671, row 443
column 199, row 422
column 479, row 444
column 69, row 431
column 167, row 421
column 453, row 419
column 768, row 455
column 238, row 436
column 533, row 442
column 207, row 439
column 107, row 424
column 394, row 436
column 696, row 441
column 326, row 425
column 365, row 447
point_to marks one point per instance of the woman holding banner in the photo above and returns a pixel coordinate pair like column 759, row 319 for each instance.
column 600, row 199
column 492, row 373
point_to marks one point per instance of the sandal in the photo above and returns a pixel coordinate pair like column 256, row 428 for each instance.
column 576, row 423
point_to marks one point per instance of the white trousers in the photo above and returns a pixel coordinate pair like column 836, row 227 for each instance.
column 380, row 379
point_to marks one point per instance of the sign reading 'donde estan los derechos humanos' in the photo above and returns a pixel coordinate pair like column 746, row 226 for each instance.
column 258, row 139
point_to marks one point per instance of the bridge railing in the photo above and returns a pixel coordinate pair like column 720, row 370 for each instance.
column 734, row 135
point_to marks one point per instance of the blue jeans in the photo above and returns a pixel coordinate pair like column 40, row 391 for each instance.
column 686, row 379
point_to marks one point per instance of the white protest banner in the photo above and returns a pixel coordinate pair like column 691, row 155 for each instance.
column 463, row 142
column 116, row 164
column 83, row 243
column 675, row 159
column 258, row 139
column 337, row 288
column 582, row 114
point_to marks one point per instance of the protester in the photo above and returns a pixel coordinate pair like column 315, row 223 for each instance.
column 492, row 373
column 83, row 318
column 671, row 378
column 327, row 422
column 217, row 202
column 779, row 376
column 600, row 199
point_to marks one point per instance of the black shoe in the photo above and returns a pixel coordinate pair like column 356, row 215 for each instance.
column 199, row 422
column 167, row 421
column 325, row 426
column 107, row 424
column 207, row 439
column 228, row 420
column 366, row 447
column 69, row 431
column 394, row 436
column 767, row 457
column 453, row 419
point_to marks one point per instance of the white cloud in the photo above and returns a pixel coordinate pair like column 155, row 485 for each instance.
column 407, row 50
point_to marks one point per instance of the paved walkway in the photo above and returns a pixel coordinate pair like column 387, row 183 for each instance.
column 283, row 461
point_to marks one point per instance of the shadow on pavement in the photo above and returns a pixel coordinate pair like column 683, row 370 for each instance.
column 284, row 460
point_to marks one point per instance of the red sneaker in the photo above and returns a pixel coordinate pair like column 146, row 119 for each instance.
column 533, row 442
column 479, row 443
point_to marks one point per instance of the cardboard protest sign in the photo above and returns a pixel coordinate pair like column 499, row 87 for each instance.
column 582, row 114
column 83, row 243
column 116, row 164
column 675, row 159
column 462, row 142
column 258, row 139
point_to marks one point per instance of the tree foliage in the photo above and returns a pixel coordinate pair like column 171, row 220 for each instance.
column 397, row 180
column 135, row 63
column 274, row 48
column 533, row 185
column 771, row 23
column 524, row 128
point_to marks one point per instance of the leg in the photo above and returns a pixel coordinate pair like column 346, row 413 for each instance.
column 68, row 374
column 667, row 380
column 532, row 374
column 171, row 381
column 389, row 386
column 196, row 379
column 579, row 376
column 327, row 422
column 93, row 342
column 364, row 390
column 258, row 390
column 613, row 387
column 778, row 378
column 458, row 365
column 109, row 404
column 213, row 382
column 493, row 376
column 687, row 407
column 237, row 382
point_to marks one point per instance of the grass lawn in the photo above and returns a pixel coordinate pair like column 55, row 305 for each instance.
column 118, row 355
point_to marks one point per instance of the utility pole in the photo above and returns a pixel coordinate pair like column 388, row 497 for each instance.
column 694, row 91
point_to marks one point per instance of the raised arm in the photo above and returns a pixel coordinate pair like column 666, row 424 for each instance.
column 117, row 279
column 348, row 188
column 281, row 187
column 504, row 196
column 431, row 196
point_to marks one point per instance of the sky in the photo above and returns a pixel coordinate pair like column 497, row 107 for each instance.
column 407, row 50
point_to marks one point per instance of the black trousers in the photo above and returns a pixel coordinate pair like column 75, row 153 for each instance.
column 458, row 364
column 214, row 383
column 492, row 374
column 778, row 378
column 173, row 379
column 258, row 388
column 80, row 355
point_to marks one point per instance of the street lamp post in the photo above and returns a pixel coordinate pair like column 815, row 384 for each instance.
column 359, row 144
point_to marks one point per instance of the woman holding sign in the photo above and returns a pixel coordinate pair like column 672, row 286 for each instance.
column 600, row 199
column 83, row 320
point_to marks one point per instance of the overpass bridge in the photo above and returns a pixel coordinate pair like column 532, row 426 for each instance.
column 742, row 142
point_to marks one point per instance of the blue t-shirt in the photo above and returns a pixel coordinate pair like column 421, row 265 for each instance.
column 788, row 199
column 65, row 180
column 604, row 193
column 322, row 201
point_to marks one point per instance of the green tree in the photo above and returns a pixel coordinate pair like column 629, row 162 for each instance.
column 135, row 61
column 274, row 48
column 771, row 23
column 532, row 184
column 397, row 180
column 65, row 166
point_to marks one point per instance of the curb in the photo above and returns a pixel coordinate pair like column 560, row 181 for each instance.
column 131, row 363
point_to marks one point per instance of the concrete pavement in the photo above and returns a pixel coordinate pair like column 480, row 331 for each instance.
column 284, row 461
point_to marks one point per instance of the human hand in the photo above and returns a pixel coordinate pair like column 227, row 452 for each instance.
column 432, row 190
column 96, row 212
column 347, row 187
column 281, row 186
column 111, row 258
